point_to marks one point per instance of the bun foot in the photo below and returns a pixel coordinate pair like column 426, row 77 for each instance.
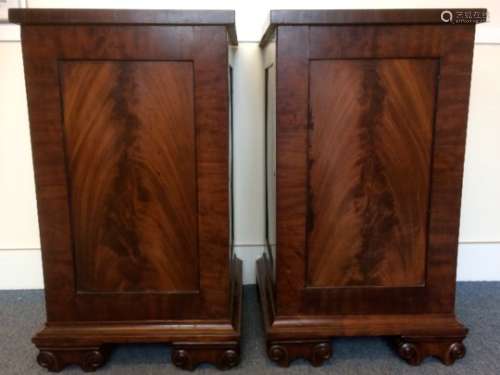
column 415, row 349
column 88, row 358
column 222, row 355
column 284, row 352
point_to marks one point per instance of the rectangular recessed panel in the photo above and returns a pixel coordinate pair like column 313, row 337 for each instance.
column 130, row 149
column 370, row 144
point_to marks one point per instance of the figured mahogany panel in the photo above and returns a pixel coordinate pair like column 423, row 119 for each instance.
column 131, row 159
column 370, row 147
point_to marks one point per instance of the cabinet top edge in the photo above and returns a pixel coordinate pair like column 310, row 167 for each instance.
column 35, row 16
column 441, row 16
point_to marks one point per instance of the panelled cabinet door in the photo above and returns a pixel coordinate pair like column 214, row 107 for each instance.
column 129, row 146
column 385, row 142
column 371, row 115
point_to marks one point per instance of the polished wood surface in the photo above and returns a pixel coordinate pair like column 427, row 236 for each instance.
column 130, row 144
column 130, row 137
column 43, row 47
column 329, row 17
column 371, row 120
column 32, row 16
column 452, row 47
column 270, row 151
column 368, row 217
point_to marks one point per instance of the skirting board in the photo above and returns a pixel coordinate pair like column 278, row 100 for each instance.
column 22, row 268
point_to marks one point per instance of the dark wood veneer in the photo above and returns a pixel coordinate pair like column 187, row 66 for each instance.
column 129, row 128
column 329, row 17
column 370, row 229
column 138, row 209
column 371, row 112
column 126, row 17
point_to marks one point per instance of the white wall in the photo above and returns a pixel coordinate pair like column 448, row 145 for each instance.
column 479, row 250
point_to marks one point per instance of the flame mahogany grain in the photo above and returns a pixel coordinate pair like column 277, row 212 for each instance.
column 138, row 209
column 368, row 222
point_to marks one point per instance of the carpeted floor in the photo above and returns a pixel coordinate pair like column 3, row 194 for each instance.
column 478, row 306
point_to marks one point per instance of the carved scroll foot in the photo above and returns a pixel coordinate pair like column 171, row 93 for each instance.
column 88, row 358
column 284, row 352
column 189, row 355
column 415, row 349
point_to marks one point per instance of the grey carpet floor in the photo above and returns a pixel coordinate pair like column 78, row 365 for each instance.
column 478, row 306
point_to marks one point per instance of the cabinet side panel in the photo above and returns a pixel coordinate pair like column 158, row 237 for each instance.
column 231, row 158
column 370, row 147
column 130, row 149
column 270, row 150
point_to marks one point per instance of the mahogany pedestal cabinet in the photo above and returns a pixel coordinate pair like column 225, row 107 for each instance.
column 130, row 126
column 365, row 124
